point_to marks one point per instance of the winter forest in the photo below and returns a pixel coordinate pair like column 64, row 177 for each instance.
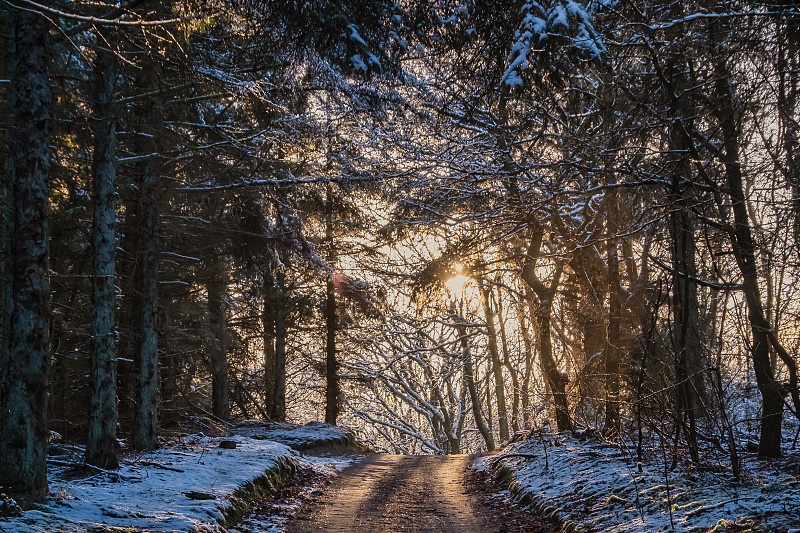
column 441, row 224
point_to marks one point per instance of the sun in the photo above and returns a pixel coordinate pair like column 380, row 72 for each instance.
column 456, row 284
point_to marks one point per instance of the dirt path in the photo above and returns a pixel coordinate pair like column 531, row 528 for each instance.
column 397, row 493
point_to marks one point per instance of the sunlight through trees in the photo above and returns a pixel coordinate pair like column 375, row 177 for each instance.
column 440, row 224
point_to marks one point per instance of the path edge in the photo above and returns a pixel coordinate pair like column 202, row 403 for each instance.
column 241, row 500
column 506, row 477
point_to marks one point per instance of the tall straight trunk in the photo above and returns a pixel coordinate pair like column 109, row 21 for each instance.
column 23, row 421
column 279, row 393
column 686, row 319
column 218, row 322
column 331, row 364
column 613, row 352
column 331, row 322
column 497, row 364
column 127, row 319
column 488, row 398
column 541, row 299
column 527, row 343
column 686, row 330
column 460, row 414
column 145, row 430
column 6, row 197
column 268, row 328
column 102, row 436
column 469, row 377
column 612, row 356
column 788, row 96
column 512, row 371
column 744, row 251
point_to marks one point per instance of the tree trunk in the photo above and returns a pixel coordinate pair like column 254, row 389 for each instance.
column 527, row 342
column 469, row 377
column 512, row 371
column 331, row 322
column 331, row 364
column 742, row 240
column 612, row 357
column 497, row 365
column 541, row 301
column 23, row 421
column 218, row 322
column 6, row 201
column 145, row 431
column 268, row 328
column 127, row 318
column 102, row 438
column 279, row 394
column 556, row 381
column 788, row 96
column 686, row 320
column 686, row 335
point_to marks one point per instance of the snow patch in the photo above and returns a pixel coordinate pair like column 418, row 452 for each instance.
column 181, row 487
column 294, row 436
column 602, row 488
column 358, row 62
column 355, row 36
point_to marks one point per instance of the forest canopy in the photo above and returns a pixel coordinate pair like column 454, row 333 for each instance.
column 440, row 224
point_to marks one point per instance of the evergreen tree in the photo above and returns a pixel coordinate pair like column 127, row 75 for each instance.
column 23, row 421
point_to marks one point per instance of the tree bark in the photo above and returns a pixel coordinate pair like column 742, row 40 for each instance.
column 6, row 201
column 512, row 371
column 218, row 322
column 102, row 436
column 556, row 381
column 331, row 322
column 541, row 301
column 268, row 328
column 686, row 319
column 331, row 364
column 23, row 421
column 527, row 342
column 145, row 431
column 279, row 393
column 469, row 377
column 744, row 251
column 497, row 365
column 612, row 356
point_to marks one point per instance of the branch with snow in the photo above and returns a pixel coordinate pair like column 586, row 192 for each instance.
column 568, row 20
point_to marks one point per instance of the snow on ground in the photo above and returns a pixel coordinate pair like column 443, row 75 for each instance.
column 151, row 491
column 298, row 437
column 603, row 488
column 274, row 521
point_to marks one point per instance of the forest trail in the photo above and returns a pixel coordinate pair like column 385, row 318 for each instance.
column 405, row 493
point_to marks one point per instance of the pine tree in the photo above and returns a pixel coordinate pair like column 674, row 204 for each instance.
column 23, row 421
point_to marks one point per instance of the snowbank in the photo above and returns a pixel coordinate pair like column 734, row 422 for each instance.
column 190, row 485
column 297, row 437
column 587, row 486
column 272, row 516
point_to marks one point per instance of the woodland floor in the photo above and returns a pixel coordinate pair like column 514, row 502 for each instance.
column 188, row 483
